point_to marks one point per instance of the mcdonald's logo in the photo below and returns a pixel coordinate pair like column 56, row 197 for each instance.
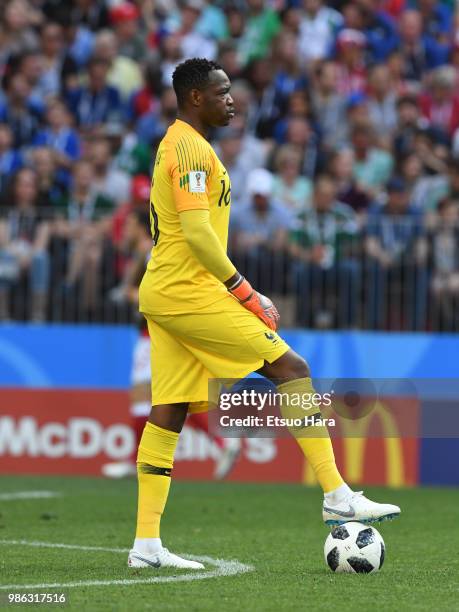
column 389, row 459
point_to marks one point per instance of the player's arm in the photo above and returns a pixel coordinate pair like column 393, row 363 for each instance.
column 190, row 168
column 207, row 249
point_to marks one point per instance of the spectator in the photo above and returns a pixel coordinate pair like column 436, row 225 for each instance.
column 267, row 109
column 237, row 161
column 347, row 188
column 31, row 65
column 409, row 122
column 317, row 30
column 108, row 181
column 420, row 52
column 59, row 69
column 299, row 107
column 437, row 20
column 192, row 42
column 378, row 29
column 396, row 65
column 23, row 252
column 300, row 134
column 51, row 190
column 130, row 40
column 350, row 45
column 440, row 103
column 93, row 15
column 261, row 26
column 172, row 54
column 289, row 187
column 62, row 139
column 79, row 40
column 424, row 190
column 325, row 267
column 97, row 103
column 289, row 77
column 229, row 60
column 396, row 248
column 124, row 74
column 212, row 22
column 83, row 202
column 372, row 165
column 19, row 111
column 382, row 101
column 81, row 229
column 260, row 228
column 444, row 255
column 10, row 159
column 16, row 33
column 328, row 105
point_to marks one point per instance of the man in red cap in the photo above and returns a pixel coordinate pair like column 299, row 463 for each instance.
column 125, row 19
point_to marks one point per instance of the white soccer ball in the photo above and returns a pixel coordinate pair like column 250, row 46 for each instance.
column 354, row 548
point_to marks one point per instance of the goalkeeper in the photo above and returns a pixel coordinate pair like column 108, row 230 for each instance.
column 204, row 319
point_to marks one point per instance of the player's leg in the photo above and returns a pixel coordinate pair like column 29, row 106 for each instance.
column 155, row 460
column 341, row 504
column 174, row 373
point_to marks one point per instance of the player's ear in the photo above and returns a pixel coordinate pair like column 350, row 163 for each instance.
column 196, row 97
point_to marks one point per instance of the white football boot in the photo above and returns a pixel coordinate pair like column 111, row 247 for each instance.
column 162, row 558
column 359, row 508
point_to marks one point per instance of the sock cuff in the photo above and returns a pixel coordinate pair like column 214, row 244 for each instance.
column 166, row 433
column 296, row 386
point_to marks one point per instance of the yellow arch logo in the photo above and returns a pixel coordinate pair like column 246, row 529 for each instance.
column 354, row 443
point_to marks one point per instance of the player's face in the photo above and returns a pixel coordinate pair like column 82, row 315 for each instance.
column 217, row 107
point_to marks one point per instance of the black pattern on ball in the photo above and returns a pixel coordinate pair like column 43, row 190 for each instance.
column 340, row 533
column 383, row 555
column 365, row 537
column 361, row 566
column 333, row 558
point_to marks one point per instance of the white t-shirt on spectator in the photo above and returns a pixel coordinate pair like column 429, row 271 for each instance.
column 316, row 33
column 116, row 185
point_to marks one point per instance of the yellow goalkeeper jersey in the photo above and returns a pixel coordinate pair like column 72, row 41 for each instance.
column 187, row 175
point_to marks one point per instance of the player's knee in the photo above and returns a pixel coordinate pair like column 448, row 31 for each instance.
column 295, row 367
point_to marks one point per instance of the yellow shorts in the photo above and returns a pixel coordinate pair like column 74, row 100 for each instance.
column 223, row 341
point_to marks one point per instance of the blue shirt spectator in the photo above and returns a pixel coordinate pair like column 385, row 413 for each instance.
column 98, row 103
column 60, row 137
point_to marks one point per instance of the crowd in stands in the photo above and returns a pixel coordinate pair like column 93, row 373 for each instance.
column 343, row 154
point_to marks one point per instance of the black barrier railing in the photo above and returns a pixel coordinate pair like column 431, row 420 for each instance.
column 392, row 273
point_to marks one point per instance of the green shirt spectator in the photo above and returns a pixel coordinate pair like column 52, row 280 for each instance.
column 262, row 25
column 326, row 234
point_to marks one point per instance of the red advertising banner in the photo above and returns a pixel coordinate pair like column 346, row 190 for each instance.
column 78, row 431
column 63, row 431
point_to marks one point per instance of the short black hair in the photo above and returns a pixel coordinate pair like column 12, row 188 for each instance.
column 192, row 74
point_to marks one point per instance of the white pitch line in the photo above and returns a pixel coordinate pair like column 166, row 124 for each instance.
column 28, row 495
column 222, row 568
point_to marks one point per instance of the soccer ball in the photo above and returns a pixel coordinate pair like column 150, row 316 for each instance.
column 354, row 548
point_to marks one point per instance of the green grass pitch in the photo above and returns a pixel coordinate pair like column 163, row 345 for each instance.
column 277, row 529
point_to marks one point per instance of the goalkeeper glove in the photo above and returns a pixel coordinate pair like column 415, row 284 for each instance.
column 260, row 305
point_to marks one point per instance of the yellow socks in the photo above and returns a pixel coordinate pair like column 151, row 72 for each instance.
column 318, row 450
column 154, row 465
